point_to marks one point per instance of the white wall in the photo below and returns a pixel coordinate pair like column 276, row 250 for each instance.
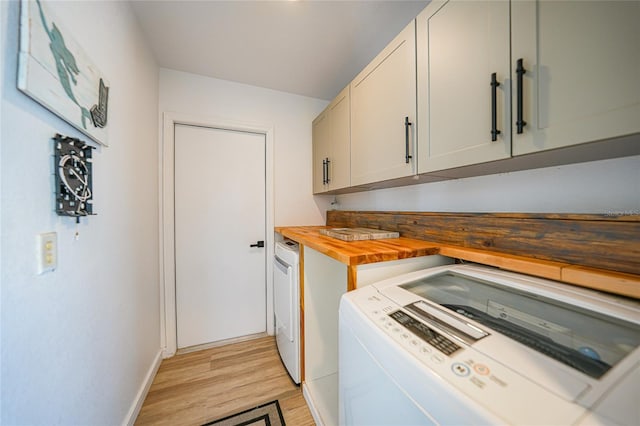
column 605, row 187
column 289, row 115
column 78, row 342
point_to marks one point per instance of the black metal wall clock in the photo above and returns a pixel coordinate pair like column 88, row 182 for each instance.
column 73, row 171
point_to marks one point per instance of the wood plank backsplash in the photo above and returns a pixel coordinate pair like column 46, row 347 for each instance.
column 608, row 242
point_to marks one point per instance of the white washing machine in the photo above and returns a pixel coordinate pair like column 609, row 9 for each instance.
column 468, row 344
column 286, row 294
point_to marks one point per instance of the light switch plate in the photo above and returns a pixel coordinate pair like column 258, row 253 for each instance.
column 47, row 252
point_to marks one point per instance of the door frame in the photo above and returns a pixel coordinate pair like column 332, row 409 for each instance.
column 168, row 320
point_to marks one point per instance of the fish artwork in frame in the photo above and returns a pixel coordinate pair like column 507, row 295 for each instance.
column 55, row 71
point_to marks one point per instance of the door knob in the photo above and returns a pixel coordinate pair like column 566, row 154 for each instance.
column 258, row 244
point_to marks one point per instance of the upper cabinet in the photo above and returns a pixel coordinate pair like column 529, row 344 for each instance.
column 463, row 84
column 383, row 114
column 478, row 87
column 576, row 72
column 320, row 141
column 331, row 146
column 553, row 74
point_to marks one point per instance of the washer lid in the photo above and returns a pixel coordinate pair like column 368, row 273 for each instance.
column 588, row 341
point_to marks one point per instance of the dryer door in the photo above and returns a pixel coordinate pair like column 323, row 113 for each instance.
column 283, row 286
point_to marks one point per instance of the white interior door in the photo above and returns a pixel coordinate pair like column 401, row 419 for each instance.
column 219, row 213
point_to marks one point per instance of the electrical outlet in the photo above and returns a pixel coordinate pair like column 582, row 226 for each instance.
column 47, row 252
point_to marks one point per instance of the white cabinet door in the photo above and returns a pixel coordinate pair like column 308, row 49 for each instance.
column 331, row 133
column 383, row 97
column 339, row 167
column 320, row 141
column 460, row 45
column 582, row 79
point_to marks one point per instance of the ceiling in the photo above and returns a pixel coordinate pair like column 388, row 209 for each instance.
column 310, row 48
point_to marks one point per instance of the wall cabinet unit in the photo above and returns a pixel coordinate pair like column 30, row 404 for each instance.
column 331, row 146
column 383, row 114
column 482, row 87
column 460, row 46
column 320, row 141
column 582, row 72
column 567, row 74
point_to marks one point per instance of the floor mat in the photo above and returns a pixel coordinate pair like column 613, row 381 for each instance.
column 268, row 414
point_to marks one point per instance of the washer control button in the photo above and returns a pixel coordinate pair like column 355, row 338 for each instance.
column 481, row 369
column 460, row 369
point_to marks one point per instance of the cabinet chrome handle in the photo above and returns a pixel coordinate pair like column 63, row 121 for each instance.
column 494, row 114
column 328, row 174
column 407, row 123
column 520, row 71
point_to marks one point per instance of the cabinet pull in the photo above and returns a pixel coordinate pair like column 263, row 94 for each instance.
column 407, row 123
column 328, row 175
column 520, row 123
column 494, row 114
column 324, row 171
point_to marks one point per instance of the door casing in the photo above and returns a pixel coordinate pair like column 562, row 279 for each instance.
column 168, row 324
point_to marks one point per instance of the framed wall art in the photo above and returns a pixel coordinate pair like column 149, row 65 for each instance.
column 55, row 71
column 74, row 178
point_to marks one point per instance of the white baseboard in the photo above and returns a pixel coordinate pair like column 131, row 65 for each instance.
column 311, row 405
column 219, row 343
column 132, row 415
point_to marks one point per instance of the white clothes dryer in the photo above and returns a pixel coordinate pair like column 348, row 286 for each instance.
column 286, row 294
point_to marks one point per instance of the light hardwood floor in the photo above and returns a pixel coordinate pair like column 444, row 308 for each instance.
column 197, row 387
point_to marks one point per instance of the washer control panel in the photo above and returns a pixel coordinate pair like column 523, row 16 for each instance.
column 424, row 332
column 453, row 359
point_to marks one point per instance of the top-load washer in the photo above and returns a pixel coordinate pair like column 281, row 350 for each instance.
column 286, row 300
column 467, row 344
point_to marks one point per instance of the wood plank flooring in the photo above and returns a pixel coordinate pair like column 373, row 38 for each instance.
column 197, row 387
